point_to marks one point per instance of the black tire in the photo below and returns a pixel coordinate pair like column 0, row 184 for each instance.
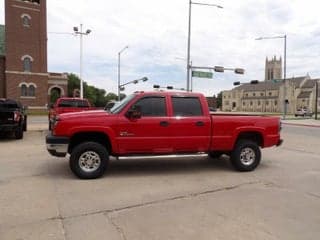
column 246, row 156
column 215, row 155
column 18, row 133
column 25, row 124
column 89, row 151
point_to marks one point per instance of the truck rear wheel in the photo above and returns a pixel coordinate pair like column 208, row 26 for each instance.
column 246, row 156
column 89, row 160
column 18, row 133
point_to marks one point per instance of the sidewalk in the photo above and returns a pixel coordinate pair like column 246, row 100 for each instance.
column 309, row 122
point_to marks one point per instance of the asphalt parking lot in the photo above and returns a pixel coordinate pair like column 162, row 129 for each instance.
column 162, row 198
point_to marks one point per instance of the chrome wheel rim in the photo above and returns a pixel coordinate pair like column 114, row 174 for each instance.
column 247, row 156
column 89, row 161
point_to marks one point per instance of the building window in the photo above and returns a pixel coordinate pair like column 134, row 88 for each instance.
column 254, row 94
column 270, row 93
column 261, row 94
column 247, row 94
column 267, row 103
column 251, row 103
column 24, row 90
column 27, row 89
column 259, row 103
column 275, row 102
column 243, row 103
column 26, row 20
column 32, row 91
column 27, row 62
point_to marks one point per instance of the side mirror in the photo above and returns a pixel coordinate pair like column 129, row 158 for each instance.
column 134, row 113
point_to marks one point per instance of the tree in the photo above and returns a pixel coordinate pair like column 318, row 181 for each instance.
column 97, row 97
column 219, row 100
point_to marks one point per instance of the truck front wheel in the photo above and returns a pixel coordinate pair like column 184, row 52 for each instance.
column 246, row 156
column 89, row 160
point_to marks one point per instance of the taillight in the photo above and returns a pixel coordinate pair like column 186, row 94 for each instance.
column 17, row 116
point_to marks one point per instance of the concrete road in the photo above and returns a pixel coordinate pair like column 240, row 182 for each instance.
column 162, row 198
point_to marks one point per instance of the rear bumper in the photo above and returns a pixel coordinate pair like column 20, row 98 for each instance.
column 9, row 127
column 57, row 146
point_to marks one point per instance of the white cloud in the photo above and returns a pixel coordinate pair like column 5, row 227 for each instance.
column 156, row 32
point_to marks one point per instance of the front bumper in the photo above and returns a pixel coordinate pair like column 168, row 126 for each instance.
column 57, row 146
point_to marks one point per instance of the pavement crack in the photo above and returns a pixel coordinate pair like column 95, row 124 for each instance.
column 150, row 203
column 116, row 226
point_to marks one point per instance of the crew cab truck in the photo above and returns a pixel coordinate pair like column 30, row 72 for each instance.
column 155, row 123
column 66, row 105
column 13, row 118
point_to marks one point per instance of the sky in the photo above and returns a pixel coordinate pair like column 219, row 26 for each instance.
column 156, row 33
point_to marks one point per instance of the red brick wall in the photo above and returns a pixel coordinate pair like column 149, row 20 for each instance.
column 2, row 76
column 14, row 91
column 21, row 41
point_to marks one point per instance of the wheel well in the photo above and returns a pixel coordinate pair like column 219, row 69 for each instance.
column 252, row 136
column 98, row 137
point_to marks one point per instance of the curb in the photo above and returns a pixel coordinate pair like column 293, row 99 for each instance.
column 302, row 125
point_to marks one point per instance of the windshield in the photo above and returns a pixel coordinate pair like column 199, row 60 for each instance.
column 120, row 105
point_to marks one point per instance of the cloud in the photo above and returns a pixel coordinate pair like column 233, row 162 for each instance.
column 156, row 32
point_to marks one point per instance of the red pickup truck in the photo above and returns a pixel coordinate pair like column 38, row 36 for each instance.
column 154, row 123
column 66, row 105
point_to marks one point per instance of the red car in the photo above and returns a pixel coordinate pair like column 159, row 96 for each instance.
column 67, row 105
column 155, row 123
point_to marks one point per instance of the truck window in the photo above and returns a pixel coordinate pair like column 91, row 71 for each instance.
column 82, row 104
column 66, row 103
column 186, row 106
column 154, row 106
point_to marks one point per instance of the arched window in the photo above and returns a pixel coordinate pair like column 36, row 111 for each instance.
column 26, row 20
column 27, row 64
column 24, row 90
column 32, row 91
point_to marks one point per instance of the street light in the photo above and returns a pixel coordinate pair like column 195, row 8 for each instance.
column 119, row 53
column 121, row 86
column 189, row 37
column 80, row 33
column 284, row 70
column 316, row 107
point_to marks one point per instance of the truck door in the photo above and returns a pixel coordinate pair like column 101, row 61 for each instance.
column 150, row 132
column 190, row 125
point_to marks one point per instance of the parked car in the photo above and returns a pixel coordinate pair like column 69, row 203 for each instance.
column 303, row 112
column 159, row 123
column 13, row 118
column 67, row 105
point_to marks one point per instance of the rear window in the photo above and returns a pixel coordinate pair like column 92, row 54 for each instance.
column 186, row 106
column 73, row 103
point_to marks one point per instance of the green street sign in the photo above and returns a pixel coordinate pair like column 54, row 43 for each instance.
column 277, row 80
column 200, row 74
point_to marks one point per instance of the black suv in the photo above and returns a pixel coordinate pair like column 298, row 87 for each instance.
column 12, row 118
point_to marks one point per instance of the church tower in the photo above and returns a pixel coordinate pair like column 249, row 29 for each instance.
column 273, row 69
column 26, row 51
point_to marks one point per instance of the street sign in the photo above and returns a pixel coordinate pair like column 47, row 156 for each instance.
column 277, row 80
column 200, row 74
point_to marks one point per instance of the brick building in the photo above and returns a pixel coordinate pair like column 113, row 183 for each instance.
column 23, row 55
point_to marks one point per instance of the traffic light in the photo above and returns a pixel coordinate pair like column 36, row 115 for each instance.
column 218, row 69
column 239, row 71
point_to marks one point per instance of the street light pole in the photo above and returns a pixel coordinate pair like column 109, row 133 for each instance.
column 80, row 33
column 119, row 55
column 189, row 38
column 284, row 71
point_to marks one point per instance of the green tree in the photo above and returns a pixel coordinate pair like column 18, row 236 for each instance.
column 97, row 97
column 219, row 100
